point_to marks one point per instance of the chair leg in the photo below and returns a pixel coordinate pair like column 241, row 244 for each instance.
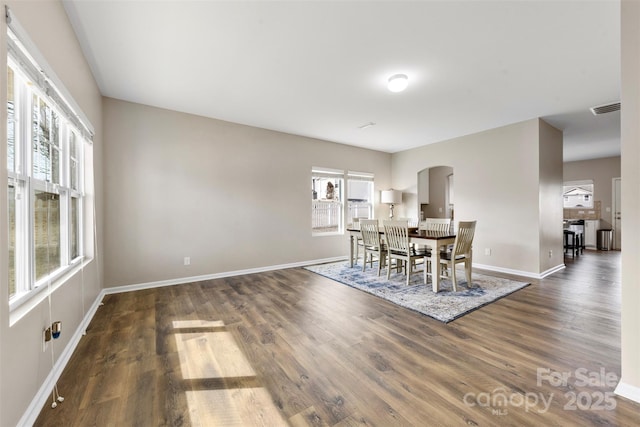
column 453, row 277
column 379, row 262
column 427, row 265
column 408, row 270
column 364, row 262
column 467, row 271
column 355, row 251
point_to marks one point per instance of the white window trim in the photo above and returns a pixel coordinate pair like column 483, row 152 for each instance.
column 360, row 176
column 26, row 60
column 331, row 174
column 41, row 69
column 345, row 176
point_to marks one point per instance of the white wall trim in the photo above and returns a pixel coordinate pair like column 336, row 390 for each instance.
column 552, row 270
column 520, row 272
column 183, row 280
column 629, row 391
column 44, row 393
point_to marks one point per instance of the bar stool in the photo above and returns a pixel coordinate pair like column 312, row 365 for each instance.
column 573, row 242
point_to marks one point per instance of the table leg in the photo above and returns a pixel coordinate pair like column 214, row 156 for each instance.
column 436, row 270
column 351, row 242
column 426, row 262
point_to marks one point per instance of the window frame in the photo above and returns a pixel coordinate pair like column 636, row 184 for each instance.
column 345, row 177
column 318, row 173
column 584, row 189
column 22, row 178
column 352, row 176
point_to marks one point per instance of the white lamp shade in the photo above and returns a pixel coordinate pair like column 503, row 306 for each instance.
column 392, row 197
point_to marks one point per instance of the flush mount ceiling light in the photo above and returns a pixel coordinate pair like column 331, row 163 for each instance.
column 398, row 82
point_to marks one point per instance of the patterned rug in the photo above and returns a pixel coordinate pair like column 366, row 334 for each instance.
column 444, row 306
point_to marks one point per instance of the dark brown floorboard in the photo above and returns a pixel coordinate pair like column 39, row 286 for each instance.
column 290, row 347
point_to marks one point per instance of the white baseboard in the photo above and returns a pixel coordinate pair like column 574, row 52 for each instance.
column 43, row 396
column 520, row 272
column 550, row 271
column 629, row 391
column 183, row 280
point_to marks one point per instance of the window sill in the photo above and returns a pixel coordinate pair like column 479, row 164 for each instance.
column 332, row 233
column 23, row 305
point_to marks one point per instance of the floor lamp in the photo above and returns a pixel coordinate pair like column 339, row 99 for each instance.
column 391, row 197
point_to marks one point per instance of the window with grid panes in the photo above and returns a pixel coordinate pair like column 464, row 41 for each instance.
column 45, row 179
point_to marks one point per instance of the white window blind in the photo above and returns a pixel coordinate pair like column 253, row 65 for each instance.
column 33, row 64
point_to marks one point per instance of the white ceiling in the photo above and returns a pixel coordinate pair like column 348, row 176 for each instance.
column 319, row 68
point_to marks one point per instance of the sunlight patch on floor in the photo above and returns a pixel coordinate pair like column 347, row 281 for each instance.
column 235, row 407
column 223, row 382
column 211, row 355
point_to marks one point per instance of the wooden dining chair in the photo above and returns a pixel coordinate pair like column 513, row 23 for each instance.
column 435, row 224
column 355, row 223
column 396, row 234
column 372, row 244
column 413, row 223
column 461, row 252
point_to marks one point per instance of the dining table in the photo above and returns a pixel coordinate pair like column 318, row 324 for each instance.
column 434, row 239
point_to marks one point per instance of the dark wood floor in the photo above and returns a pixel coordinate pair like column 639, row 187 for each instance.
column 290, row 347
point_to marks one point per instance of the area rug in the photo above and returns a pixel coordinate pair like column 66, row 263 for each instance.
column 444, row 306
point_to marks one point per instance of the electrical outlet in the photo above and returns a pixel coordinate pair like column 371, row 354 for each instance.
column 187, row 260
column 550, row 253
column 487, row 251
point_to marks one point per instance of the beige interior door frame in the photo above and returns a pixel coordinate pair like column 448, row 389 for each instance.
column 617, row 214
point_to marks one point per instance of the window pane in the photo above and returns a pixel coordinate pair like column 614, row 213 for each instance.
column 40, row 151
column 55, row 165
column 55, row 147
column 75, row 235
column 73, row 166
column 73, row 161
column 46, row 233
column 11, row 127
column 578, row 196
column 360, row 203
column 12, row 239
column 326, row 204
column 46, row 142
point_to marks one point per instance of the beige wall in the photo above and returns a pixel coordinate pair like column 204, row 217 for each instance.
column 550, row 193
column 497, row 183
column 630, row 133
column 229, row 196
column 602, row 172
column 23, row 365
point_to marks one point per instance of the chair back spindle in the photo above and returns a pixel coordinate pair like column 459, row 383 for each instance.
column 396, row 233
column 370, row 233
column 464, row 238
column 436, row 224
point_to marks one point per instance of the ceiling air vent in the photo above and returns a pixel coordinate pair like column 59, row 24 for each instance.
column 606, row 108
